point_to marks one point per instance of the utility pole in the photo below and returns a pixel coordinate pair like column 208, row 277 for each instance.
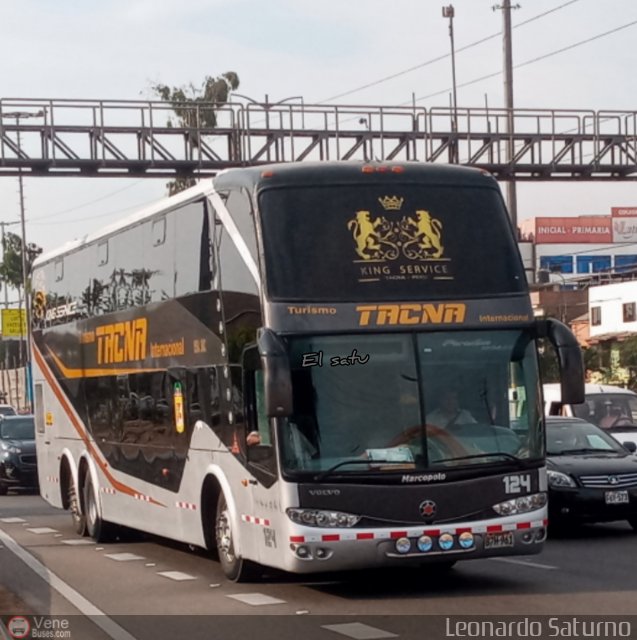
column 25, row 275
column 449, row 12
column 506, row 7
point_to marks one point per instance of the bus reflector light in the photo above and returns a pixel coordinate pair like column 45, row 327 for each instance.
column 425, row 543
column 466, row 540
column 403, row 545
column 445, row 541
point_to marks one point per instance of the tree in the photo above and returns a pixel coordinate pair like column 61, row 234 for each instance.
column 186, row 103
column 11, row 265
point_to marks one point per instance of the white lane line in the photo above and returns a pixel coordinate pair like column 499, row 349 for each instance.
column 87, row 608
column 123, row 557
column 12, row 520
column 176, row 575
column 256, row 599
column 359, row 631
column 40, row 530
column 77, row 541
column 524, row 563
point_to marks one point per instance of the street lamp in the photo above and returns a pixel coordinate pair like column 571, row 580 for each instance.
column 267, row 105
column 23, row 115
column 448, row 12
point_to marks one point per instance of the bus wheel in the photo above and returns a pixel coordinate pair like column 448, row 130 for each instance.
column 97, row 528
column 235, row 568
column 79, row 519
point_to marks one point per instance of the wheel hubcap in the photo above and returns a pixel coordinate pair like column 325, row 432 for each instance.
column 224, row 536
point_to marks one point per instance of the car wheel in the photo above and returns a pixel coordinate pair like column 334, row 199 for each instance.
column 98, row 529
column 235, row 568
column 78, row 518
column 3, row 489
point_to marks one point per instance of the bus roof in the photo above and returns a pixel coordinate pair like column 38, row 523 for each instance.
column 342, row 172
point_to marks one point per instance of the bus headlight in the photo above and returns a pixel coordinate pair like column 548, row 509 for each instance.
column 319, row 518
column 522, row 504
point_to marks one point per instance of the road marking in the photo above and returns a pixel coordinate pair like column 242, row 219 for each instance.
column 12, row 520
column 86, row 607
column 40, row 530
column 123, row 557
column 359, row 631
column 524, row 563
column 77, row 541
column 256, row 599
column 176, row 575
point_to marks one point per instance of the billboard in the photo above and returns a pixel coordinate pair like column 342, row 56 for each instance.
column 14, row 324
column 625, row 229
column 580, row 229
column 624, row 212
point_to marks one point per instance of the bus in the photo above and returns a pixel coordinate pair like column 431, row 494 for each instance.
column 251, row 367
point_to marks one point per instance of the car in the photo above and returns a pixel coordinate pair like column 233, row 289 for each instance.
column 614, row 409
column 18, row 463
column 591, row 476
column 7, row 410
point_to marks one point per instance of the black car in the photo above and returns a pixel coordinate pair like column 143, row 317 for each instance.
column 18, row 464
column 591, row 476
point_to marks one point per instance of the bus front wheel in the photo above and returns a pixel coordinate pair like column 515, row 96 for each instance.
column 235, row 568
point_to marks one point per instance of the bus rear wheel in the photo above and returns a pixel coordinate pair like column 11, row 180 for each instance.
column 96, row 527
column 78, row 518
column 235, row 568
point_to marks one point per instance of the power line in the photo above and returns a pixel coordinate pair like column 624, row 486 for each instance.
column 442, row 57
column 86, row 204
column 532, row 60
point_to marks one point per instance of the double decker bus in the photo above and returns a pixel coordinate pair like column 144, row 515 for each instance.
column 252, row 366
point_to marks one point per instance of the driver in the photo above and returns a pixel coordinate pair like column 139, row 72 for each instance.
column 449, row 412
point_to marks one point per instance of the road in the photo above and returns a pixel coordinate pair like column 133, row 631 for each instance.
column 143, row 587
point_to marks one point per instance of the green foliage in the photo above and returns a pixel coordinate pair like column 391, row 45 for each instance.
column 192, row 108
column 11, row 265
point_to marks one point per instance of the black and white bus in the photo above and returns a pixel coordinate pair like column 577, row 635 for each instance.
column 309, row 366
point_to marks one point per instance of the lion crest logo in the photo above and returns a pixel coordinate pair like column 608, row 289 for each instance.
column 365, row 235
column 379, row 240
column 428, row 233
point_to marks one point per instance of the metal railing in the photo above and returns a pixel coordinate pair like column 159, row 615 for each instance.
column 144, row 138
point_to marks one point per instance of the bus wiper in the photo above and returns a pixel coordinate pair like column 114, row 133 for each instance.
column 321, row 476
column 500, row 454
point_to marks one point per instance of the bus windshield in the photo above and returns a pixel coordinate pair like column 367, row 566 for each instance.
column 412, row 401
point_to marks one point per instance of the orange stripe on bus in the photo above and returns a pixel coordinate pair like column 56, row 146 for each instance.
column 80, row 430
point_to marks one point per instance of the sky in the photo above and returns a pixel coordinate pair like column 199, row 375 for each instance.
column 324, row 51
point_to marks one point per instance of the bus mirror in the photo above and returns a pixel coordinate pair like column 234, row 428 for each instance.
column 569, row 356
column 276, row 374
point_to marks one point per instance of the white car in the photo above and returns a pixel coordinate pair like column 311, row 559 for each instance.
column 613, row 409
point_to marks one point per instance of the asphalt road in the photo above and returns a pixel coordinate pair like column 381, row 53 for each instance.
column 144, row 587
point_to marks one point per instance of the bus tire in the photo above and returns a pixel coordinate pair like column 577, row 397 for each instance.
column 235, row 568
column 96, row 527
column 77, row 516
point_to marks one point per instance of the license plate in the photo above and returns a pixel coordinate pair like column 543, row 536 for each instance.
column 498, row 540
column 616, row 497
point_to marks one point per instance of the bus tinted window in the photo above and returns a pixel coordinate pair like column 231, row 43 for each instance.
column 365, row 242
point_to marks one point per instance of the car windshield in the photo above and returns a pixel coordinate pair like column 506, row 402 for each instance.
column 566, row 436
column 608, row 410
column 17, row 429
column 411, row 401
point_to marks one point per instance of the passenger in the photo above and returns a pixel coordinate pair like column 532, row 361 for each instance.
column 449, row 412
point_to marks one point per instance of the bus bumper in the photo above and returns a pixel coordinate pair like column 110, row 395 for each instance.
column 313, row 550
